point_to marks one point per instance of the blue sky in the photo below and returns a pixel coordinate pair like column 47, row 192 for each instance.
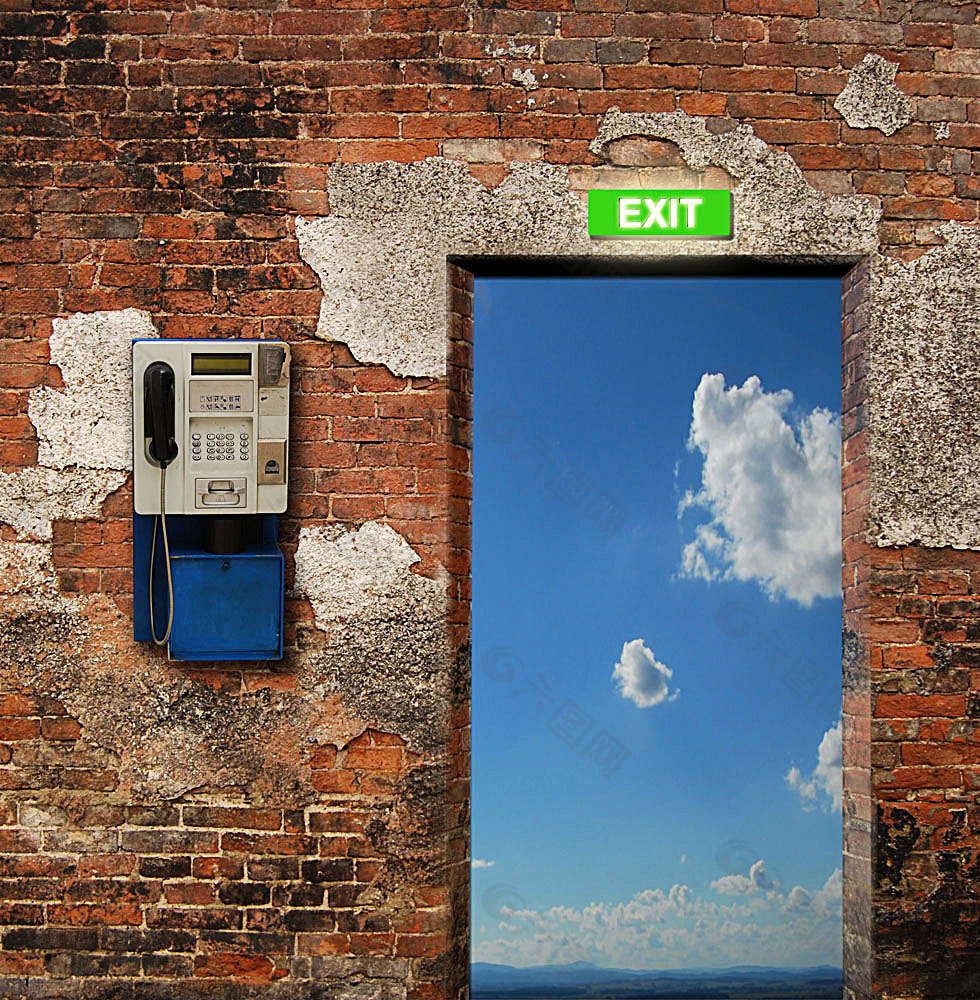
column 656, row 622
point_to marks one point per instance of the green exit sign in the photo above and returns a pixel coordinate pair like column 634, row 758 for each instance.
column 704, row 214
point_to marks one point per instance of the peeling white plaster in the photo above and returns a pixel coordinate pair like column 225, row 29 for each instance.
column 387, row 645
column 26, row 568
column 511, row 48
column 381, row 253
column 84, row 431
column 941, row 131
column 30, row 499
column 355, row 574
column 525, row 77
column 923, row 387
column 738, row 151
column 89, row 423
column 872, row 99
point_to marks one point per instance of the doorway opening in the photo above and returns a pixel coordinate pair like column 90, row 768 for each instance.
column 656, row 662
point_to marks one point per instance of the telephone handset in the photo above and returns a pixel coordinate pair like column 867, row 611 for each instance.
column 159, row 419
column 159, row 412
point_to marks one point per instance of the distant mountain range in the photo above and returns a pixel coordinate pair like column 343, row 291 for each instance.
column 583, row 979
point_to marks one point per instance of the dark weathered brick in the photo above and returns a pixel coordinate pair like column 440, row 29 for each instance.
column 328, row 871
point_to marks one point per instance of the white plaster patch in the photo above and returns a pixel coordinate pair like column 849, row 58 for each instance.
column 30, row 499
column 381, row 253
column 923, row 387
column 25, row 568
column 872, row 99
column 387, row 647
column 511, row 48
column 355, row 574
column 84, row 431
column 89, row 422
column 739, row 151
column 525, row 77
column 775, row 210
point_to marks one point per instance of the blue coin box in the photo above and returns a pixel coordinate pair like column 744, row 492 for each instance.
column 226, row 607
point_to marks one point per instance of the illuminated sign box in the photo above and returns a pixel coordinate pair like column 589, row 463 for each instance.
column 704, row 214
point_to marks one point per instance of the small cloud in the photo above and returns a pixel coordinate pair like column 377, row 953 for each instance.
column 642, row 677
column 758, row 880
column 760, row 877
column 824, row 785
column 480, row 863
column 733, row 885
column 683, row 859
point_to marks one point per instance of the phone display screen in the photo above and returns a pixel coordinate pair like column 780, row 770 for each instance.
column 221, row 364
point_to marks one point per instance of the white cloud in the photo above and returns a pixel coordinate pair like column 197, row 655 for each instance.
column 825, row 903
column 771, row 490
column 760, row 877
column 758, row 880
column 642, row 677
column 824, row 785
column 675, row 928
column 829, row 899
column 798, row 900
column 733, row 885
column 481, row 863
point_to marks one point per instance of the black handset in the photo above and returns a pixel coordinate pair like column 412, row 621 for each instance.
column 159, row 405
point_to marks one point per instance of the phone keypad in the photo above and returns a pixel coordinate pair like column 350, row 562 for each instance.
column 221, row 447
column 222, row 443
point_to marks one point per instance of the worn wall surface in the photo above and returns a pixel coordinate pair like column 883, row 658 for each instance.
column 332, row 174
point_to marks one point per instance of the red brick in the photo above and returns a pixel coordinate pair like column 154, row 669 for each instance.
column 912, row 706
column 248, row 967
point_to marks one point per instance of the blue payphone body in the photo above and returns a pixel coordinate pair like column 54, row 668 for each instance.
column 210, row 469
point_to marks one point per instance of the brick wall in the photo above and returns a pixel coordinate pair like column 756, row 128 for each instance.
column 155, row 155
column 856, row 724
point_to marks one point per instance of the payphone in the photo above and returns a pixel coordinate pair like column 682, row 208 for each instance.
column 210, row 466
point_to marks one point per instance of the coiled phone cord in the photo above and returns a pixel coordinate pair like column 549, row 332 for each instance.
column 162, row 521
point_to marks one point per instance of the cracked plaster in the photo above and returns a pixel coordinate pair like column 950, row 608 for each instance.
column 84, row 431
column 89, row 423
column 924, row 383
column 381, row 253
column 387, row 648
column 872, row 99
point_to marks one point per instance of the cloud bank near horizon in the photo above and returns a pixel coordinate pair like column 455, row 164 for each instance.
column 676, row 928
